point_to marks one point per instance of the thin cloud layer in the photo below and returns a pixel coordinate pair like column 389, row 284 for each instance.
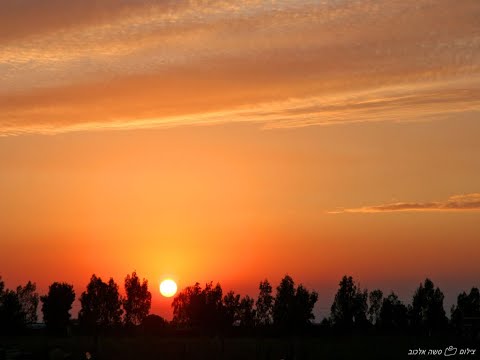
column 133, row 64
column 467, row 202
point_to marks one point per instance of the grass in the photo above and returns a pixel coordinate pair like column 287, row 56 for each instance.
column 216, row 348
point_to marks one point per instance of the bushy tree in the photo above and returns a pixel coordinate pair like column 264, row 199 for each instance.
column 138, row 300
column 247, row 312
column 375, row 304
column 349, row 309
column 465, row 315
column 427, row 313
column 183, row 305
column 12, row 318
column 293, row 307
column 207, row 309
column 303, row 306
column 393, row 314
column 211, row 302
column 202, row 308
column 17, row 308
column 29, row 299
column 56, row 306
column 264, row 304
column 231, row 308
column 238, row 310
column 284, row 302
column 101, row 305
column 154, row 324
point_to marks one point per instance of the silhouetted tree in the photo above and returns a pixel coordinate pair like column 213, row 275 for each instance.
column 375, row 304
column 2, row 293
column 303, row 306
column 101, row 305
column 214, row 307
column 284, row 300
column 56, row 306
column 238, row 311
column 29, row 298
column 206, row 309
column 264, row 304
column 138, row 300
column 393, row 314
column 154, row 324
column 326, row 324
column 12, row 318
column 349, row 309
column 231, row 308
column 465, row 316
column 293, row 308
column 427, row 313
column 202, row 308
column 247, row 312
column 183, row 306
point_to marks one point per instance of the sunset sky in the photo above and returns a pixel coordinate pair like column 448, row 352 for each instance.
column 240, row 140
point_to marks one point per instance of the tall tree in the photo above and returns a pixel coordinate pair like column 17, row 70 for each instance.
column 293, row 307
column 303, row 306
column 238, row 310
column 204, row 308
column 349, row 309
column 101, row 305
column 375, row 304
column 393, row 314
column 284, row 302
column 231, row 308
column 427, row 313
column 56, row 306
column 137, row 301
column 264, row 304
column 184, row 305
column 12, row 318
column 465, row 315
column 29, row 298
column 246, row 312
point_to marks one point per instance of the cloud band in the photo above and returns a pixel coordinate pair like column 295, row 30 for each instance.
column 467, row 202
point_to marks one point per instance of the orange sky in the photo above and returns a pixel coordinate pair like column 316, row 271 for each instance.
column 257, row 139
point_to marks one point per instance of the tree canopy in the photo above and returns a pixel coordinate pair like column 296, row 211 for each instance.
column 203, row 308
column 466, row 314
column 56, row 306
column 264, row 304
column 290, row 309
column 426, row 312
column 137, row 301
column 101, row 305
column 293, row 307
column 349, row 309
column 393, row 314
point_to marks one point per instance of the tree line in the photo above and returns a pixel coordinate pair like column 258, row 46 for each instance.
column 208, row 309
column 102, row 306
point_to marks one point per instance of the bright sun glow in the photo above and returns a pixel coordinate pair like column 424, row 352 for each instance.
column 168, row 288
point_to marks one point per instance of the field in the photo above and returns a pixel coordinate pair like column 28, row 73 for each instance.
column 216, row 348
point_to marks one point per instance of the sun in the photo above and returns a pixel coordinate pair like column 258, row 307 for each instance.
column 168, row 288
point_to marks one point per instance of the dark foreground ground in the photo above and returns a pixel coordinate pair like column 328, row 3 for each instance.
column 215, row 348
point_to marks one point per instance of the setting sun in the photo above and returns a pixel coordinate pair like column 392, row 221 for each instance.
column 168, row 288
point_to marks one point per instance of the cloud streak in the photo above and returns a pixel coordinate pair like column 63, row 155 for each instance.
column 131, row 64
column 467, row 202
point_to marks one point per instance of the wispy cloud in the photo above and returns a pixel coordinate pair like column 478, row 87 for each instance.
column 467, row 202
column 125, row 64
column 384, row 104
